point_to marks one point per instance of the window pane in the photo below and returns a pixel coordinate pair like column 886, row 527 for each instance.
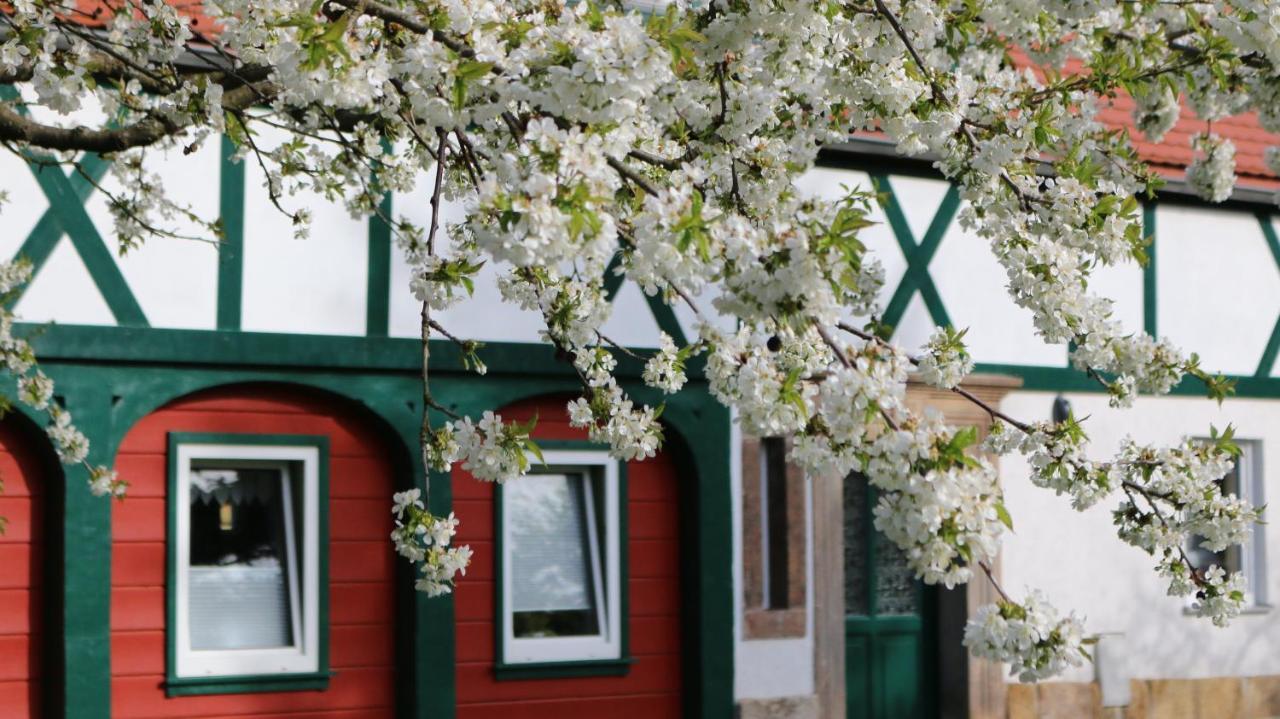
column 857, row 525
column 552, row 583
column 239, row 582
column 1229, row 558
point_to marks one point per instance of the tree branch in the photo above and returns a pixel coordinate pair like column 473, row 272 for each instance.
column 14, row 127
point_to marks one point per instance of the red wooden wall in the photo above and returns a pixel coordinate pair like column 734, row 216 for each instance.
column 26, row 478
column 652, row 688
column 361, row 561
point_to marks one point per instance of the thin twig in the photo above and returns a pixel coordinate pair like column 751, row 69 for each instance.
column 915, row 362
column 991, row 575
column 427, row 401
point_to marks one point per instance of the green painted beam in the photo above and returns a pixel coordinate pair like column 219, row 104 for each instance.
column 231, row 248
column 612, row 280
column 663, row 314
column 377, row 315
column 83, row 560
column 45, row 235
column 916, row 278
column 1149, row 313
column 90, row 246
column 156, row 346
column 1273, row 343
column 67, row 207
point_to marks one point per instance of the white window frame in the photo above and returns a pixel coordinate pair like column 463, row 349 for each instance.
column 1251, row 487
column 608, row 644
column 304, row 655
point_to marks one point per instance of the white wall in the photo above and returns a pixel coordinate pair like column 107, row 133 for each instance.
column 1078, row 561
column 1218, row 285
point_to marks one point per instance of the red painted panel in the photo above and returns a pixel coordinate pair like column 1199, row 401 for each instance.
column 138, row 564
column 370, row 690
column 25, row 474
column 361, row 563
column 18, row 563
column 652, row 688
column 618, row 707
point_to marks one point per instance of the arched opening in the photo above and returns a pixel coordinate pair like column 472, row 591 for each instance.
column 32, row 485
column 495, row 613
column 359, row 584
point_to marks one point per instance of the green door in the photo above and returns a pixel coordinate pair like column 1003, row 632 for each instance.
column 889, row 622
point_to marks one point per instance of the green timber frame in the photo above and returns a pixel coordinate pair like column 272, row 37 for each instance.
column 876, row 159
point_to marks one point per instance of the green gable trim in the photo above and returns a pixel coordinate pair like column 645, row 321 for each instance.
column 918, row 255
column 1067, row 379
column 579, row 668
column 266, row 349
column 243, row 684
column 231, row 248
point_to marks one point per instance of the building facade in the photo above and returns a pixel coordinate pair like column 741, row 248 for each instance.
column 262, row 397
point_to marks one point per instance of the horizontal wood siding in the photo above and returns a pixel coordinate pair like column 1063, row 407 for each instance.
column 651, row 690
column 22, row 634
column 361, row 562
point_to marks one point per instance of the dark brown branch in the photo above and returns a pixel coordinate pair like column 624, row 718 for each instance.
column 640, row 180
column 16, row 128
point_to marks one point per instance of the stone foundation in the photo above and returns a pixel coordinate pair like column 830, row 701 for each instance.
column 1220, row 698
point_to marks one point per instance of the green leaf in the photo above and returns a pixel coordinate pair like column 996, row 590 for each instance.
column 1003, row 513
column 473, row 70
column 535, row 450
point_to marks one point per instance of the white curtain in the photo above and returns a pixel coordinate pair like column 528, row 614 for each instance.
column 546, row 527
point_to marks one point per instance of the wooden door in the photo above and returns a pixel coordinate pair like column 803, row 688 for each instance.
column 890, row 636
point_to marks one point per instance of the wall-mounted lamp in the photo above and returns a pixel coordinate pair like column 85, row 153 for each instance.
column 1061, row 409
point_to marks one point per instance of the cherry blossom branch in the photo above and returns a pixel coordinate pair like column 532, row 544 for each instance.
column 427, row 400
column 915, row 361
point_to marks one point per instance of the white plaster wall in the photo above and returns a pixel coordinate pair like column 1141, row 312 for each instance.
column 1217, row 284
column 174, row 279
column 63, row 291
column 1078, row 561
column 768, row 668
column 315, row 285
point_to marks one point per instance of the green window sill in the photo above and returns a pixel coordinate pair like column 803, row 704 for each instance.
column 248, row 684
column 562, row 670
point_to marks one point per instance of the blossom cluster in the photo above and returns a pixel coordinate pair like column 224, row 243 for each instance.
column 1031, row 637
column 36, row 390
column 945, row 361
column 426, row 540
column 1172, row 496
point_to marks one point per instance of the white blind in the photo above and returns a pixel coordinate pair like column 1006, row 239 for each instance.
column 239, row 607
column 546, row 528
